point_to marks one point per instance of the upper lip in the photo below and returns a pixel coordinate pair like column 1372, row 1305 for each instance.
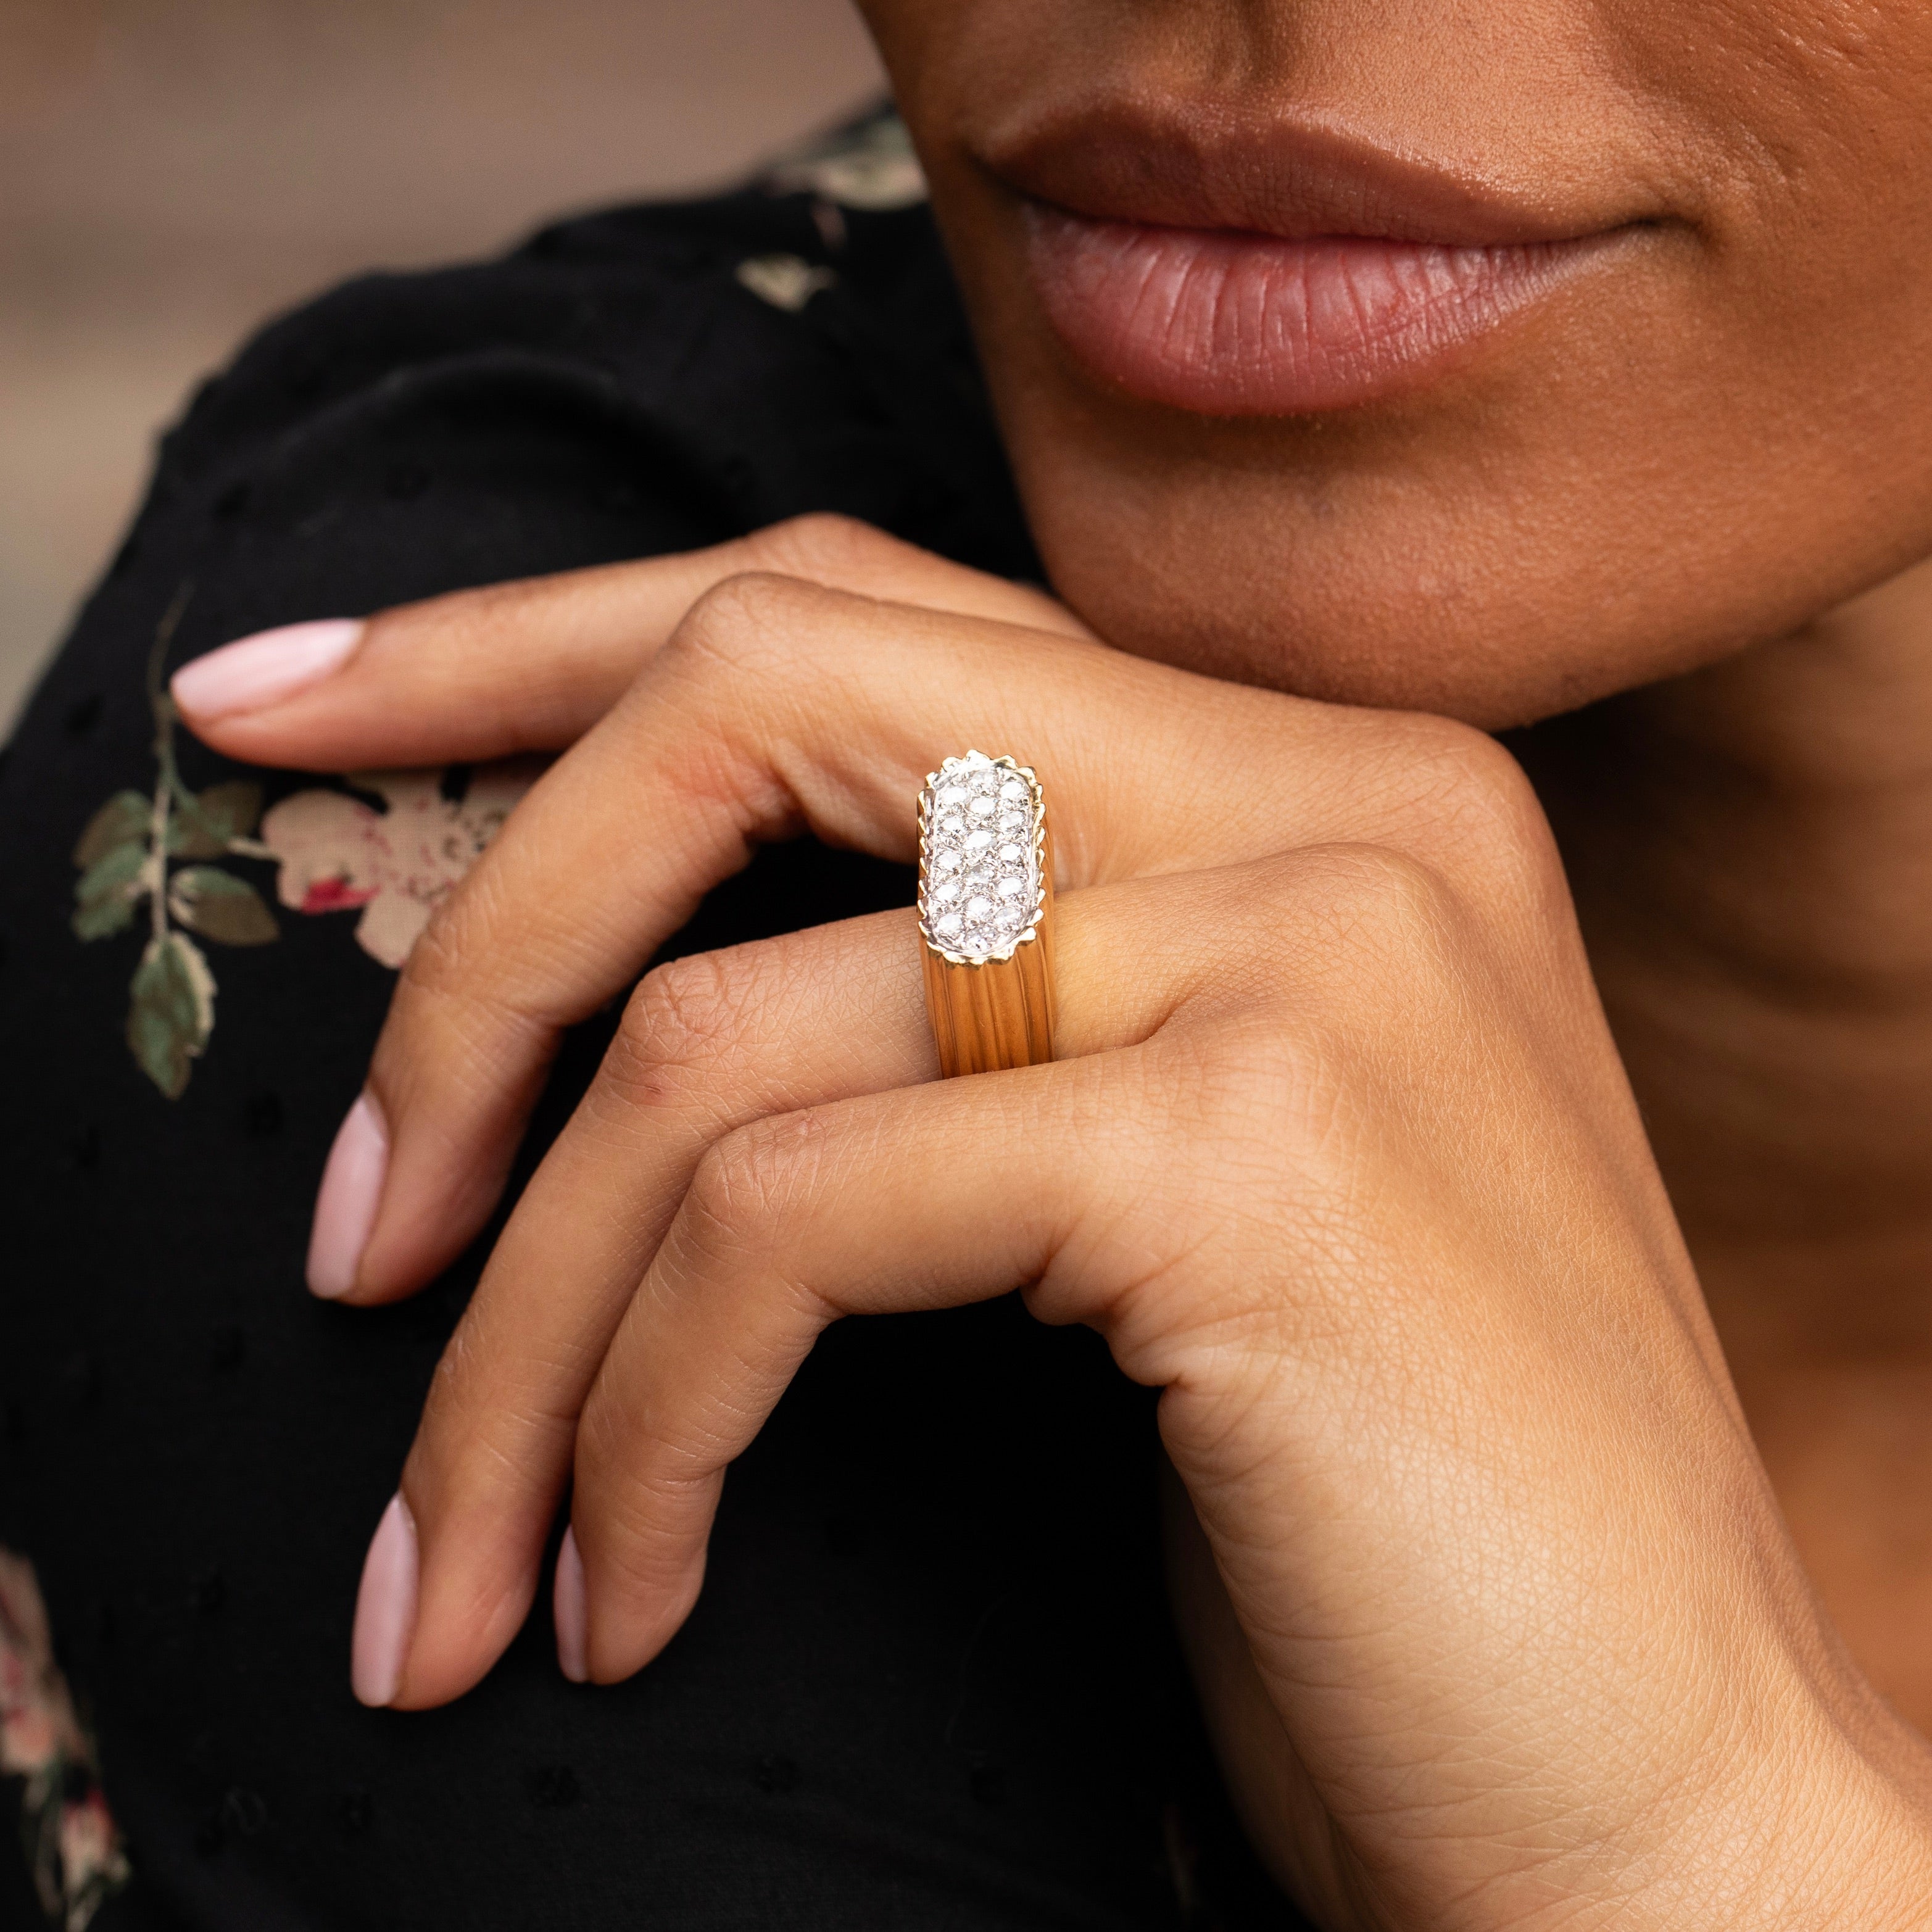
column 1201, row 164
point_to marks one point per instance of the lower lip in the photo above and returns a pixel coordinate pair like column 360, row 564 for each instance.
column 1243, row 325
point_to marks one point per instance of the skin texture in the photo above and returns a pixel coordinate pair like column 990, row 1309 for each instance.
column 1546, row 1528
column 1721, row 432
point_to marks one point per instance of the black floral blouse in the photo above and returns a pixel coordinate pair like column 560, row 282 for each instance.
column 936, row 1689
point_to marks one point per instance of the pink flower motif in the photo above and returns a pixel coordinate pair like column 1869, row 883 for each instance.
column 37, row 1720
column 397, row 866
column 23, row 1617
column 72, row 1842
column 90, row 1850
column 28, row 1741
column 336, row 895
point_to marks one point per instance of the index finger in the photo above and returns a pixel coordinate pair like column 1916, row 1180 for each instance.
column 530, row 666
column 784, row 707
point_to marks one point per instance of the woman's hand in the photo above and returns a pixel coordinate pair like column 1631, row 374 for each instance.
column 1493, row 1613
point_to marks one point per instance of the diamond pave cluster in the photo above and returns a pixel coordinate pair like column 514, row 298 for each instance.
column 979, row 881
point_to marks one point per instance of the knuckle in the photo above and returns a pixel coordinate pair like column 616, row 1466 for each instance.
column 823, row 543
column 748, row 1183
column 748, row 622
column 1365, row 892
column 1381, row 889
column 632, row 1513
column 1471, row 792
column 684, row 1018
column 1355, row 936
column 614, row 1422
column 463, row 1015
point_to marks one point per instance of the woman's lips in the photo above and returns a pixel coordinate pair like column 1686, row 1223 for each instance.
column 1227, row 323
column 1233, row 257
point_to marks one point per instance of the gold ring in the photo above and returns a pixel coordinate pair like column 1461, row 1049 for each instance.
column 985, row 914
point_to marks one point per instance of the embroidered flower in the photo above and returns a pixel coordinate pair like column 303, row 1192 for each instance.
column 337, row 853
column 73, row 1847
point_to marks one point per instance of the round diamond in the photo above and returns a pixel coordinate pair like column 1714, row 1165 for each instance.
column 981, row 887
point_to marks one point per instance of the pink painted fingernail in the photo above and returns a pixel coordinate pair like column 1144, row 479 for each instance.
column 568, row 1611
column 254, row 673
column 345, row 1204
column 385, row 1607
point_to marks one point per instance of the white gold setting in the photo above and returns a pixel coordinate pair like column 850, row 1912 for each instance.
column 982, row 872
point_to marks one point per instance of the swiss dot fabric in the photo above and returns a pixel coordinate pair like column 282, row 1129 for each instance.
column 930, row 1683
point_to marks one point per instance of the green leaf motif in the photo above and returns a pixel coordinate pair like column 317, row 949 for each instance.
column 204, row 822
column 219, row 906
column 172, row 1012
column 123, row 817
column 105, row 895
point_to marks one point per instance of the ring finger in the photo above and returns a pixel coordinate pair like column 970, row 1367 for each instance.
column 708, row 1045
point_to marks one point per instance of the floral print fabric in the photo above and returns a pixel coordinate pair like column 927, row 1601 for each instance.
column 199, row 861
column 167, row 853
column 72, row 1847
column 150, row 851
column 337, row 852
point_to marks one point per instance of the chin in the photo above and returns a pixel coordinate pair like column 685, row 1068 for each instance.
column 1497, row 552
column 1391, row 646
column 1277, row 561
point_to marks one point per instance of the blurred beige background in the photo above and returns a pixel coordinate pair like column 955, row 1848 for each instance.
column 172, row 171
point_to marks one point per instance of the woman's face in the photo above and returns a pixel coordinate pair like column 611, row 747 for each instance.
column 1480, row 356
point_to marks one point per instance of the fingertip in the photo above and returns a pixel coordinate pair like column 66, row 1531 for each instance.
column 346, row 1201
column 256, row 673
column 385, row 1607
column 569, row 1612
column 625, row 1643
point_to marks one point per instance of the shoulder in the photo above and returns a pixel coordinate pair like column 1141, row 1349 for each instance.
column 796, row 345
column 637, row 381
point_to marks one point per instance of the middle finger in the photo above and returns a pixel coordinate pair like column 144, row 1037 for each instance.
column 706, row 1043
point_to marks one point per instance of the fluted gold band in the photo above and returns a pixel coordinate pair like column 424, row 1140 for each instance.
column 985, row 1017
column 985, row 906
